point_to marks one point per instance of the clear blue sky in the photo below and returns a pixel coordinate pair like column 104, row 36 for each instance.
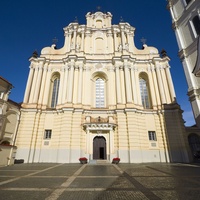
column 28, row 25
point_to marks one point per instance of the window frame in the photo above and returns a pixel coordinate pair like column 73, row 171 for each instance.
column 54, row 91
column 101, row 87
column 187, row 3
column 195, row 28
column 145, row 92
column 152, row 136
column 47, row 134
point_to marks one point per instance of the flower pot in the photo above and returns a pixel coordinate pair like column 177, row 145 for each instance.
column 83, row 161
column 115, row 161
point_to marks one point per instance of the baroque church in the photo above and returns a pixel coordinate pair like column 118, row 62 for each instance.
column 100, row 97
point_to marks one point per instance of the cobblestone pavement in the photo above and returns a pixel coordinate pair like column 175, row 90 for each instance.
column 100, row 181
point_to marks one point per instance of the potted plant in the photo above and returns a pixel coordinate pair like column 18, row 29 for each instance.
column 115, row 160
column 83, row 160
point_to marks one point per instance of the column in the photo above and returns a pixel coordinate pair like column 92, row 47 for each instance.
column 80, row 84
column 123, row 39
column 87, row 88
column 111, row 99
column 82, row 40
column 111, row 140
column 67, row 40
column 43, row 84
column 160, row 85
column 38, row 83
column 29, row 84
column 170, row 83
column 36, row 69
column 115, row 41
column 134, row 89
column 74, row 40
column 60, row 92
column 152, row 91
column 139, row 100
column 65, row 85
column 166, row 89
column 158, row 98
column 128, row 84
column 87, row 141
column 122, row 81
column 70, row 83
column 75, row 86
column 47, row 94
column 118, row 85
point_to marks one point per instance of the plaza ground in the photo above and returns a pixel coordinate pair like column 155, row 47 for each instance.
column 104, row 181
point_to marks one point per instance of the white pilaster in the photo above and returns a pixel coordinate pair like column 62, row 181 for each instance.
column 123, row 95
column 38, row 83
column 36, row 69
column 115, row 41
column 152, row 91
column 41, row 95
column 160, row 85
column 134, row 88
column 65, row 85
column 80, row 84
column 29, row 83
column 87, row 88
column 128, row 84
column 155, row 82
column 170, row 83
column 47, row 95
column 166, row 88
column 118, row 85
column 61, row 85
column 139, row 100
column 70, row 83
column 82, row 40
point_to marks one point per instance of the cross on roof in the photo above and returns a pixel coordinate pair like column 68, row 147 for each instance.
column 55, row 40
column 98, row 8
column 121, row 19
column 143, row 40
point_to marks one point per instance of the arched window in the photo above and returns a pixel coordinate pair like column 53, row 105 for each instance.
column 196, row 23
column 100, row 93
column 55, row 89
column 144, row 91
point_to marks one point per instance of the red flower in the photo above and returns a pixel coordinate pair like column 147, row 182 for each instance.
column 83, row 158
column 116, row 159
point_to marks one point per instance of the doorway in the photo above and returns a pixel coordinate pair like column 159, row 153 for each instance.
column 99, row 148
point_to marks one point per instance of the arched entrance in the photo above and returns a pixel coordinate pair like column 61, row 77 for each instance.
column 99, row 148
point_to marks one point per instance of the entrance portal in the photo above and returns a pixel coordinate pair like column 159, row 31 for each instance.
column 99, row 147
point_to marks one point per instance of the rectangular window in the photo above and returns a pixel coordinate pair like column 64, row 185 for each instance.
column 196, row 24
column 47, row 134
column 152, row 135
column 1, row 95
column 186, row 2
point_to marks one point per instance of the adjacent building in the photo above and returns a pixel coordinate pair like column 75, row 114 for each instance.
column 186, row 24
column 100, row 97
column 9, row 120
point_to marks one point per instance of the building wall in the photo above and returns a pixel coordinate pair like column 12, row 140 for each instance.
column 122, row 116
column 187, row 38
column 9, row 121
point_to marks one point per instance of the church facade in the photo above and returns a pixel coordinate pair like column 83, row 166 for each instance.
column 100, row 97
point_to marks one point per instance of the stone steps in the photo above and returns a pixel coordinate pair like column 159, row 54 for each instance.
column 99, row 162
